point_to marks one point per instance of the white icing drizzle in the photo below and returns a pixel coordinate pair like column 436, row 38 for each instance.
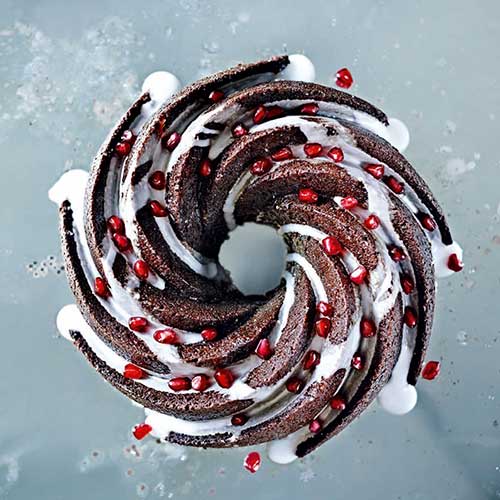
column 301, row 69
column 312, row 275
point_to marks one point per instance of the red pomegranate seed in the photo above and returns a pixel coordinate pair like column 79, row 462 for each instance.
column 336, row 154
column 138, row 324
column 140, row 431
column 358, row 275
column 371, row 222
column 313, row 149
column 128, row 136
column 310, row 109
column 431, row 370
column 357, row 362
column 338, row 403
column 396, row 253
column 200, row 382
column 454, row 263
column 216, row 95
column 282, row 154
column 394, row 184
column 239, row 419
column 166, row 336
column 133, row 372
column 322, row 327
column 209, row 334
column 407, row 283
column 311, row 359
column 343, row 78
column 224, row 377
column 122, row 148
column 239, row 130
column 367, row 328
column 294, row 385
column 260, row 114
column 274, row 112
column 264, row 350
column 157, row 209
column 157, row 180
column 375, row 169
column 427, row 222
column 122, row 242
column 141, row 269
column 261, row 166
column 252, row 462
column 331, row 246
column 307, row 195
column 324, row 308
column 410, row 317
column 101, row 288
column 315, row 426
column 180, row 384
column 116, row 225
column 173, row 140
column 205, row 168
column 349, row 202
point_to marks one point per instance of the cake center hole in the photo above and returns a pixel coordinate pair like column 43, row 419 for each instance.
column 254, row 254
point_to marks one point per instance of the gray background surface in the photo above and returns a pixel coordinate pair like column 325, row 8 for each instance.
column 67, row 71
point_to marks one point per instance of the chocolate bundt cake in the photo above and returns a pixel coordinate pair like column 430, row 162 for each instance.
column 158, row 316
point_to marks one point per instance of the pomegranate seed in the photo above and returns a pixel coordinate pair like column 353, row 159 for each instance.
column 371, row 222
column 349, row 202
column 264, row 350
column 307, row 195
column 138, row 324
column 121, row 241
column 216, row 95
column 338, row 403
column 157, row 209
column 205, row 168
column 166, row 336
column 224, row 377
column 315, row 426
column 261, row 166
column 375, row 169
column 336, row 154
column 396, row 253
column 122, row 148
column 239, row 419
column 101, row 288
column 331, row 246
column 294, row 384
column 133, row 372
column 173, row 140
column 282, row 154
column 252, row 462
column 357, row 362
column 367, row 328
column 239, row 130
column 358, row 275
column 209, row 334
column 274, row 112
column 427, row 222
column 141, row 269
column 310, row 109
column 410, row 317
column 116, row 225
column 157, row 180
column 313, row 149
column 324, row 308
column 394, row 184
column 322, row 327
column 407, row 284
column 200, row 382
column 343, row 78
column 140, row 431
column 454, row 263
column 180, row 384
column 431, row 370
column 311, row 359
column 260, row 114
